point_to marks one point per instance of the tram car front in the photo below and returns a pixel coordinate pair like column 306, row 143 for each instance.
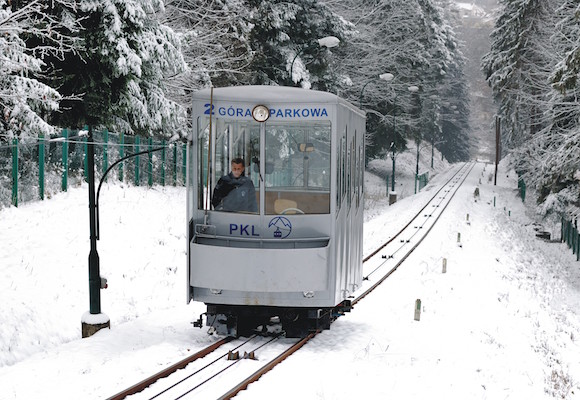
column 274, row 207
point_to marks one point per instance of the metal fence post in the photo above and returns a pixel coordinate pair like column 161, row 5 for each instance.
column 174, row 164
column 565, row 237
column 64, row 185
column 41, row 166
column 15, row 172
column 577, row 239
column 121, row 154
column 163, row 144
column 574, row 239
column 150, row 164
column 184, row 151
column 105, row 150
column 86, row 160
column 137, row 159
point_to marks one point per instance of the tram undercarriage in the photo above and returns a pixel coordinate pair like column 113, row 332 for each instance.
column 236, row 320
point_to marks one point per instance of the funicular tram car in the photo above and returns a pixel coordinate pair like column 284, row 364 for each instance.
column 297, row 256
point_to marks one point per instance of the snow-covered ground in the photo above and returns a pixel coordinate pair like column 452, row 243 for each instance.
column 502, row 323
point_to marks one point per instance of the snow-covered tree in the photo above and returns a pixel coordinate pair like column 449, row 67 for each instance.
column 284, row 40
column 27, row 34
column 557, row 145
column 516, row 68
column 412, row 41
column 119, row 69
column 532, row 69
column 567, row 71
column 215, row 43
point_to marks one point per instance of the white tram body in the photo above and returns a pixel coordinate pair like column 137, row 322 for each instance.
column 298, row 256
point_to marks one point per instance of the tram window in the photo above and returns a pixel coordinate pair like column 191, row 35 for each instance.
column 360, row 173
column 230, row 140
column 343, row 166
column 298, row 180
column 338, row 175
column 348, row 169
column 353, row 163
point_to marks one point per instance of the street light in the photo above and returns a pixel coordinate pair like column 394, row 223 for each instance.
column 414, row 89
column 435, row 98
column 385, row 77
column 390, row 77
column 328, row 42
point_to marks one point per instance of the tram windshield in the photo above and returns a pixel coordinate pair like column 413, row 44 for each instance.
column 297, row 168
column 289, row 173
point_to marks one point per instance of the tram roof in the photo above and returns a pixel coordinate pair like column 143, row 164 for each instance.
column 270, row 94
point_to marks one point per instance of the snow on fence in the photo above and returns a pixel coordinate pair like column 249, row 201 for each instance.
column 36, row 169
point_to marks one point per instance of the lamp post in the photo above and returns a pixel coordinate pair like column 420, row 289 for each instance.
column 390, row 77
column 418, row 142
column 385, row 77
column 432, row 149
column 328, row 42
column 95, row 320
column 435, row 100
column 417, row 167
column 414, row 89
column 393, row 199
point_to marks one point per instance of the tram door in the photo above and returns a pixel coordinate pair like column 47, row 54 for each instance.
column 230, row 139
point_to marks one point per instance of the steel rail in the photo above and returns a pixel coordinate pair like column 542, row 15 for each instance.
column 412, row 219
column 267, row 368
column 223, row 369
column 201, row 369
column 169, row 370
column 398, row 264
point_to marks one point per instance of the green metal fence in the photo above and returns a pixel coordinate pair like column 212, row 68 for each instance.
column 36, row 169
column 570, row 235
column 423, row 180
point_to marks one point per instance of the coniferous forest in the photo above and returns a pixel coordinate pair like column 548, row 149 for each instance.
column 130, row 66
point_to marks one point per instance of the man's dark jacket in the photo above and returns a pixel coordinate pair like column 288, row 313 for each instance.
column 234, row 194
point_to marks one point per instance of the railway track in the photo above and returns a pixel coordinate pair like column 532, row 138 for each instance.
column 208, row 373
column 381, row 263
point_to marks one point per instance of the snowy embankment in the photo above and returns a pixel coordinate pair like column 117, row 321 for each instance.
column 502, row 322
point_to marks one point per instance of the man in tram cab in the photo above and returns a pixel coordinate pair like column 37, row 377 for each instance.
column 235, row 191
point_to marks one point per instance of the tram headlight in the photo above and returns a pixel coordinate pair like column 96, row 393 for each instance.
column 260, row 113
column 215, row 291
column 309, row 294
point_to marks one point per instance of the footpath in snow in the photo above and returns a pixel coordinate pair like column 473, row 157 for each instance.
column 501, row 323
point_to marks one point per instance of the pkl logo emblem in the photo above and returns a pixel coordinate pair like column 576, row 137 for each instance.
column 281, row 226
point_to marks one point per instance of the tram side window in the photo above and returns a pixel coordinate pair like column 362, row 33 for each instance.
column 338, row 175
column 360, row 173
column 343, row 166
column 353, row 175
column 348, row 169
column 297, row 168
column 231, row 141
column 340, row 169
